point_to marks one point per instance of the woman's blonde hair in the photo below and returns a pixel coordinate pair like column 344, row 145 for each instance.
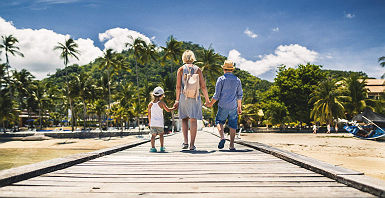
column 188, row 56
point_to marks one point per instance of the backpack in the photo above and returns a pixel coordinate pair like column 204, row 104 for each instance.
column 191, row 84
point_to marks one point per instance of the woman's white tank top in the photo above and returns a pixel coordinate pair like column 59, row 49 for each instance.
column 156, row 115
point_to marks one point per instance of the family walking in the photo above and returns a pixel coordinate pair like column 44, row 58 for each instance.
column 190, row 80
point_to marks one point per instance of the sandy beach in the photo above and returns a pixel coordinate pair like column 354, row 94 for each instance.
column 339, row 149
column 17, row 153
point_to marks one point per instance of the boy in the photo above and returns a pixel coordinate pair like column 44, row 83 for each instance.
column 228, row 91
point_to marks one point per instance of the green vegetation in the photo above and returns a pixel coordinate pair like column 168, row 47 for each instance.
column 114, row 90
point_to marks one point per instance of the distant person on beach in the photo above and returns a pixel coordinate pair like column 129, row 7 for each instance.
column 155, row 118
column 314, row 128
column 328, row 128
column 188, row 100
column 229, row 93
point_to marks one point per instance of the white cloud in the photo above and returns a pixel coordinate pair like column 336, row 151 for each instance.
column 117, row 38
column 276, row 29
column 349, row 15
column 37, row 46
column 56, row 1
column 250, row 33
column 290, row 55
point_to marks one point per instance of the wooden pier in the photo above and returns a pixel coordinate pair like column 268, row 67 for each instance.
column 207, row 172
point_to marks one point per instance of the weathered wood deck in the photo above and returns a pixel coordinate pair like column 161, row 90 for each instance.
column 207, row 172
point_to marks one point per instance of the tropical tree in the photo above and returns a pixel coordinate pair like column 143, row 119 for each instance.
column 21, row 83
column 210, row 63
column 109, row 61
column 294, row 88
column 356, row 94
column 41, row 98
column 327, row 99
column 173, row 51
column 276, row 112
column 381, row 60
column 143, row 54
column 8, row 43
column 100, row 108
column 251, row 114
column 68, row 49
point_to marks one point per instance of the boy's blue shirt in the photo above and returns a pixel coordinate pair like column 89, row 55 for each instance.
column 228, row 90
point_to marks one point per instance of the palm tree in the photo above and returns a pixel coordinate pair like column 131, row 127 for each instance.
column 357, row 94
column 327, row 99
column 86, row 88
column 108, row 62
column 8, row 43
column 381, row 60
column 68, row 49
column 210, row 64
column 126, row 98
column 41, row 98
column 140, row 52
column 100, row 108
column 173, row 51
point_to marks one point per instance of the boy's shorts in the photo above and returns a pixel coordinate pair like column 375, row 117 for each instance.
column 156, row 130
column 227, row 114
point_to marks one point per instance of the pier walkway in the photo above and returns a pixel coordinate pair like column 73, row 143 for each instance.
column 207, row 172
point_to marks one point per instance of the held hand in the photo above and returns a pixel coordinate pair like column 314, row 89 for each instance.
column 176, row 105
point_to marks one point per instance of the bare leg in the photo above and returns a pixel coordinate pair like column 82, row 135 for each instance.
column 193, row 131
column 232, row 136
column 185, row 130
column 161, row 139
column 221, row 131
column 153, row 140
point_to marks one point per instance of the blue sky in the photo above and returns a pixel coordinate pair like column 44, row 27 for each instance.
column 344, row 35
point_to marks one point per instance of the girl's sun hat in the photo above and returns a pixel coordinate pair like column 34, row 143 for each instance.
column 158, row 91
column 228, row 65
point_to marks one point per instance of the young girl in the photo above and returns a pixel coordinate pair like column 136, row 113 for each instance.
column 155, row 118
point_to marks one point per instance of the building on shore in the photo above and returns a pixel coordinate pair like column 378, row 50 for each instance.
column 375, row 87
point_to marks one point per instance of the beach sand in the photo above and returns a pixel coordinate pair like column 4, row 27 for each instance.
column 339, row 149
column 17, row 153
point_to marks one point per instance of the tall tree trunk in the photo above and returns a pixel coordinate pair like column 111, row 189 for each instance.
column 72, row 116
column 109, row 97
column 40, row 117
column 100, row 123
column 84, row 114
column 137, row 85
column 9, row 78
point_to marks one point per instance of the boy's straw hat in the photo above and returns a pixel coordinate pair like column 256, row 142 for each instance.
column 158, row 91
column 228, row 65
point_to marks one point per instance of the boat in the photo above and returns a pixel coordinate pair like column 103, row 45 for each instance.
column 367, row 125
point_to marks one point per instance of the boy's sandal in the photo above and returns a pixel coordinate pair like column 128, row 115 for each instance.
column 232, row 149
column 221, row 143
column 162, row 149
column 153, row 150
column 193, row 148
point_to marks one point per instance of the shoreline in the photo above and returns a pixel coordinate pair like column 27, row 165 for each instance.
column 15, row 153
column 340, row 149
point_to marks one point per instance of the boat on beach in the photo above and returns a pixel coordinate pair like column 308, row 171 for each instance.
column 367, row 125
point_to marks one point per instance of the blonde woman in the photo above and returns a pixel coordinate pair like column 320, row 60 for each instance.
column 190, row 108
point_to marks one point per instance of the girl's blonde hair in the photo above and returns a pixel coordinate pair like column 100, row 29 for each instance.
column 188, row 56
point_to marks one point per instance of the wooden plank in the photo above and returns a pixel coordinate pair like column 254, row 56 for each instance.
column 186, row 195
